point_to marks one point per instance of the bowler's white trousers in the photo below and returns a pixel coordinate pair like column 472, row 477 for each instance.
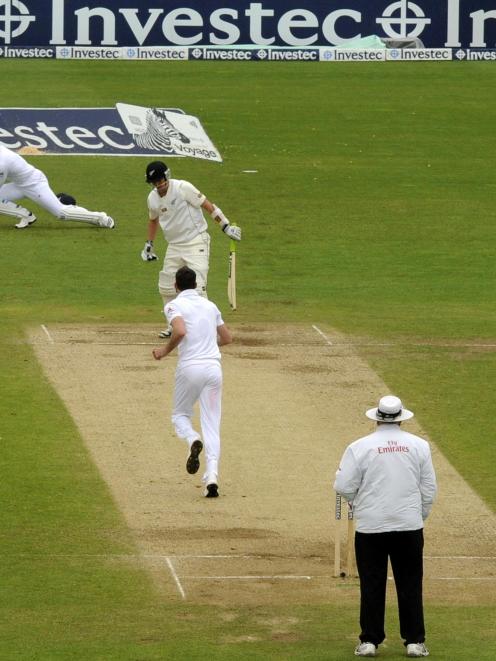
column 200, row 381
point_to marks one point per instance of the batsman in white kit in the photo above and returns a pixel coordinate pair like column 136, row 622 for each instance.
column 19, row 179
column 197, row 331
column 178, row 207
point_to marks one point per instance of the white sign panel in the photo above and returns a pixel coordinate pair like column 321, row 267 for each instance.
column 166, row 133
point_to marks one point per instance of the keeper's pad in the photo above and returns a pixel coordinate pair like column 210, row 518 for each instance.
column 12, row 209
column 82, row 215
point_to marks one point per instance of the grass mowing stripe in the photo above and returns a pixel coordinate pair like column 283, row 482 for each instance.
column 345, row 224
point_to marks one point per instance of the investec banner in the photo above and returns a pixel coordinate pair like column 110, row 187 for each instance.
column 124, row 130
column 44, row 24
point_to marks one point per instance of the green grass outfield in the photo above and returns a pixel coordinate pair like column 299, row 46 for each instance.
column 372, row 212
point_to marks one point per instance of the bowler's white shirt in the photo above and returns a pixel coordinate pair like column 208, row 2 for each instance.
column 201, row 318
column 15, row 169
column 178, row 211
column 390, row 478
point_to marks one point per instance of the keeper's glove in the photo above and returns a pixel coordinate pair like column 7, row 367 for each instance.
column 232, row 231
column 147, row 254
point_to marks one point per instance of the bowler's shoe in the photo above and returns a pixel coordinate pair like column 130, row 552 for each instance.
column 193, row 462
column 212, row 490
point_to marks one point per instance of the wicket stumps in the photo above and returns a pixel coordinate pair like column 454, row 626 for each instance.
column 349, row 539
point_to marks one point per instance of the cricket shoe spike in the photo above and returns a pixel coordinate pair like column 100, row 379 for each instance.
column 26, row 221
column 24, row 216
column 193, row 462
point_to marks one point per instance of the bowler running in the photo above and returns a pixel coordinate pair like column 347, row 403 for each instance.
column 197, row 331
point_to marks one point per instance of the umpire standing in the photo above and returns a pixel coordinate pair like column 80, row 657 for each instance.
column 389, row 478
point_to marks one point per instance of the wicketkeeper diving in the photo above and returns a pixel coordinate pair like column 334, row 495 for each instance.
column 19, row 179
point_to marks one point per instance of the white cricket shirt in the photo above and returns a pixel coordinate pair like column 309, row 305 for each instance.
column 201, row 318
column 390, row 478
column 15, row 169
column 178, row 211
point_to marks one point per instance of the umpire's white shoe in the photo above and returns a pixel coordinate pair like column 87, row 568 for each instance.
column 416, row 650
column 193, row 462
column 107, row 222
column 26, row 221
column 365, row 649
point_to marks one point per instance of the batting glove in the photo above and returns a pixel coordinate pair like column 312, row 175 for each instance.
column 232, row 231
column 147, row 254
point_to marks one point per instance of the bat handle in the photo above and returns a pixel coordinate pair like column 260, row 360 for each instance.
column 338, row 507
column 232, row 242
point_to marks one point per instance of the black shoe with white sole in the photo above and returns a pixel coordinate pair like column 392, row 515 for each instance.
column 193, row 462
column 211, row 490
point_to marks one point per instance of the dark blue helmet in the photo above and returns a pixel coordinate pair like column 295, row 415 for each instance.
column 157, row 170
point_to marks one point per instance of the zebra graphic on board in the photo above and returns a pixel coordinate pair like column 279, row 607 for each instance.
column 158, row 133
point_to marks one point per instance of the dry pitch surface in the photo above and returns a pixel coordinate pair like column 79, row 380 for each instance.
column 294, row 397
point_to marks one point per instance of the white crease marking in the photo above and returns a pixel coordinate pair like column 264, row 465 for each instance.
column 45, row 330
column 175, row 577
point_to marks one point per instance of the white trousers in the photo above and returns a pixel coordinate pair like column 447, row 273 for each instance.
column 200, row 382
column 40, row 192
column 195, row 255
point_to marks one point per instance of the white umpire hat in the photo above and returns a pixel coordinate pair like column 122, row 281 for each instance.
column 390, row 409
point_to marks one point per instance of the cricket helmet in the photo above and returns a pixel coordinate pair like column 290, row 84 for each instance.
column 157, row 170
column 65, row 198
column 390, row 409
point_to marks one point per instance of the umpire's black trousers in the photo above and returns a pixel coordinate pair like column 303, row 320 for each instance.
column 405, row 549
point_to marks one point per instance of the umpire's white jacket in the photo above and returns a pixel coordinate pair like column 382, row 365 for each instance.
column 389, row 477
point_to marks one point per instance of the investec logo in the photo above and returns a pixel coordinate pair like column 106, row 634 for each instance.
column 221, row 54
column 399, row 19
column 403, row 19
column 14, row 19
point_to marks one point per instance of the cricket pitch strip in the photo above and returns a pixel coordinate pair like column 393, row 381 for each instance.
column 294, row 397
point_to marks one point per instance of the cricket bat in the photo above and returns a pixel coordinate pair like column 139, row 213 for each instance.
column 231, row 278
column 337, row 537
column 349, row 543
